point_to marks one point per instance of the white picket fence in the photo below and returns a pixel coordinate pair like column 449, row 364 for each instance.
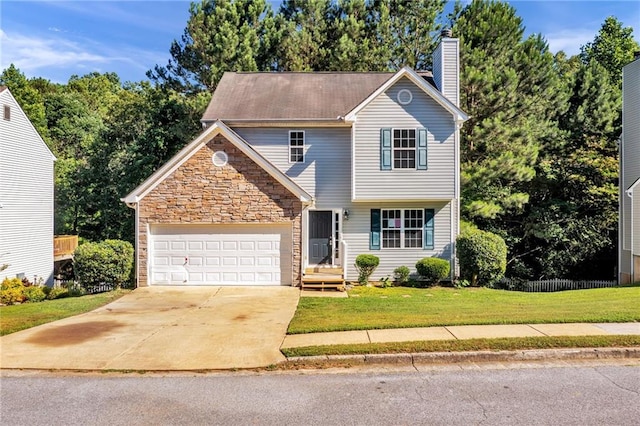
column 554, row 284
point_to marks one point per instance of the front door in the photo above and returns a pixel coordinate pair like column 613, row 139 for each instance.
column 320, row 241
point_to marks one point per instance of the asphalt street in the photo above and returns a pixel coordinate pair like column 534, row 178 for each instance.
column 586, row 393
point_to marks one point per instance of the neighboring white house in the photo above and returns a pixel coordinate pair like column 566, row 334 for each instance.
column 300, row 172
column 26, row 196
column 629, row 226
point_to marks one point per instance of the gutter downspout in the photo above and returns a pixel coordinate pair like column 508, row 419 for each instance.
column 134, row 206
column 629, row 193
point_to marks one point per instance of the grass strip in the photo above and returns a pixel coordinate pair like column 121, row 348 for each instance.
column 369, row 308
column 20, row 317
column 501, row 344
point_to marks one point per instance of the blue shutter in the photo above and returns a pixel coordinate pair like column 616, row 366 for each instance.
column 385, row 149
column 428, row 229
column 422, row 149
column 374, row 242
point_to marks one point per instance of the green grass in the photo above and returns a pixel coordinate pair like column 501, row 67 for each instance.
column 19, row 317
column 398, row 307
column 504, row 344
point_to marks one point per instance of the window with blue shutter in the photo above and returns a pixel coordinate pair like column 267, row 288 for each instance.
column 428, row 229
column 374, row 242
column 422, row 149
column 385, row 149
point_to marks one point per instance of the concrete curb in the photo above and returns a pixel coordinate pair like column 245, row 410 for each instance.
column 467, row 357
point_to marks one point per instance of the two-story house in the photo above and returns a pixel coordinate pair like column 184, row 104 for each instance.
column 629, row 219
column 299, row 170
column 26, row 196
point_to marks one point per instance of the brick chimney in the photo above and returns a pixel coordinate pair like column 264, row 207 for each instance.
column 446, row 67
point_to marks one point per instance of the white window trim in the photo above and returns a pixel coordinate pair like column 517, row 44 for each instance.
column 415, row 149
column 401, row 229
column 304, row 144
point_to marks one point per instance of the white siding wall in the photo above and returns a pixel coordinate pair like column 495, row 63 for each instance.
column 630, row 164
column 26, row 197
column 356, row 233
column 445, row 69
column 326, row 171
column 438, row 181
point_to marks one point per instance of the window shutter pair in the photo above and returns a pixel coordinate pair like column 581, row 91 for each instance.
column 374, row 241
column 386, row 150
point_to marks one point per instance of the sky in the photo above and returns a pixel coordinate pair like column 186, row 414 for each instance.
column 56, row 39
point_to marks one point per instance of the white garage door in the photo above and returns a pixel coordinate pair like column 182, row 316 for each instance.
column 220, row 254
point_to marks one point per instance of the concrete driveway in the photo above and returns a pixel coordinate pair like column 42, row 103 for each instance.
column 163, row 328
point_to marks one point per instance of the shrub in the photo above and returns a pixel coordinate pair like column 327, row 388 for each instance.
column 401, row 274
column 366, row 264
column 12, row 291
column 433, row 269
column 109, row 261
column 34, row 293
column 58, row 293
column 482, row 256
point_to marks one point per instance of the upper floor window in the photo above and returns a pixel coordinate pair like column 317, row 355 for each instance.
column 296, row 146
column 404, row 148
column 7, row 112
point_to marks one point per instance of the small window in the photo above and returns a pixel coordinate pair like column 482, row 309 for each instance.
column 296, row 146
column 402, row 228
column 404, row 148
column 7, row 112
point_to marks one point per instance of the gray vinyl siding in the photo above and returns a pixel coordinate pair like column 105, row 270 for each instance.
column 630, row 165
column 326, row 171
column 356, row 232
column 435, row 183
column 445, row 69
column 26, row 197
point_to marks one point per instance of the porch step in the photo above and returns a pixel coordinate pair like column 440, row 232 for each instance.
column 323, row 278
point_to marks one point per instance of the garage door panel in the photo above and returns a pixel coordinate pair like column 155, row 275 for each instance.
column 220, row 255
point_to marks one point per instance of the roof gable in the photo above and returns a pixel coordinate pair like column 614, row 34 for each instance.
column 185, row 153
column 459, row 115
column 7, row 97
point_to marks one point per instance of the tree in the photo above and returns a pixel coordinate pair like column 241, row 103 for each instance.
column 221, row 35
column 612, row 48
column 508, row 87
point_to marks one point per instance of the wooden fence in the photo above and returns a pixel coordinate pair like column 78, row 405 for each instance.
column 553, row 285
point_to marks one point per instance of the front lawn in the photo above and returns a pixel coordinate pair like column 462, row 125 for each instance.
column 398, row 307
column 19, row 317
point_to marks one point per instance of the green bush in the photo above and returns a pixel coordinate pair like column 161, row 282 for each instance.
column 401, row 274
column 482, row 256
column 58, row 293
column 34, row 293
column 109, row 261
column 366, row 264
column 12, row 291
column 433, row 269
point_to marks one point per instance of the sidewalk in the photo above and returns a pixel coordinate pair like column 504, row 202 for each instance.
column 459, row 332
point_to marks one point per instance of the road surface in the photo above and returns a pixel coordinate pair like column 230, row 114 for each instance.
column 595, row 393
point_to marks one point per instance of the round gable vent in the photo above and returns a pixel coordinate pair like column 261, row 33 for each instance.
column 220, row 158
column 404, row 96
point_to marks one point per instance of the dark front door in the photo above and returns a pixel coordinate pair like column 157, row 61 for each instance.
column 320, row 250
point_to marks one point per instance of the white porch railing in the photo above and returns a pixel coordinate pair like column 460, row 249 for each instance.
column 343, row 258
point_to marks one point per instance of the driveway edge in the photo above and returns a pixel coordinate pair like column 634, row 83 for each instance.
column 465, row 357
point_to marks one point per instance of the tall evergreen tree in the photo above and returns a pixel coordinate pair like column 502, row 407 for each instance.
column 221, row 35
column 508, row 87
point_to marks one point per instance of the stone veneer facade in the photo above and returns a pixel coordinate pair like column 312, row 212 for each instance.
column 198, row 192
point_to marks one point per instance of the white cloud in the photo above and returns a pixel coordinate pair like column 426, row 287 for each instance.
column 38, row 55
column 569, row 41
column 32, row 53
